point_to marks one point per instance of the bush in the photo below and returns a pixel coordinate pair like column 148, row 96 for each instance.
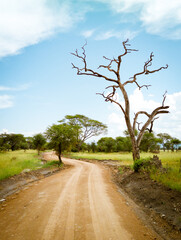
column 148, row 164
column 137, row 164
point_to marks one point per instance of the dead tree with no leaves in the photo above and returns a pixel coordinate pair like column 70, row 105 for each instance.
column 118, row 84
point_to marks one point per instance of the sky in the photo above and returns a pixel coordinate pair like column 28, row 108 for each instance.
column 38, row 86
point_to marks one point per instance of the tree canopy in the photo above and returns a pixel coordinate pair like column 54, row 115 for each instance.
column 85, row 127
column 61, row 137
column 38, row 142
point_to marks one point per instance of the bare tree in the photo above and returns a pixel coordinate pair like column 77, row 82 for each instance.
column 114, row 66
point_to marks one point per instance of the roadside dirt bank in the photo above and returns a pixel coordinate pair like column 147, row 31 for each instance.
column 17, row 182
column 154, row 203
column 78, row 203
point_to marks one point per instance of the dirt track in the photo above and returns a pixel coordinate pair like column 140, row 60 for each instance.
column 78, row 203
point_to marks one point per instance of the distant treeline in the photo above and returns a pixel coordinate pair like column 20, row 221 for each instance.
column 149, row 143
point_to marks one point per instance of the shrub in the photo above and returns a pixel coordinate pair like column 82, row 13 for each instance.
column 138, row 163
column 143, row 163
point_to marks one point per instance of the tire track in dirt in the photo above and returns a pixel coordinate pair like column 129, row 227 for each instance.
column 101, row 207
column 54, row 219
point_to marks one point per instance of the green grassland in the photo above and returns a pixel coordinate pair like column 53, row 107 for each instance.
column 170, row 160
column 15, row 162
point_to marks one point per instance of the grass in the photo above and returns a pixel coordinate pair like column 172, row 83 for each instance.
column 171, row 179
column 15, row 162
column 170, row 160
column 53, row 163
column 124, row 158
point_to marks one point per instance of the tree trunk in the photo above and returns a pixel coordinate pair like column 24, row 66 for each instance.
column 135, row 147
column 59, row 153
column 136, row 151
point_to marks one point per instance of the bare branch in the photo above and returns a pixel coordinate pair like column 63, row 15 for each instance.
column 126, row 51
column 158, row 110
column 164, row 97
column 139, row 125
column 108, row 98
column 109, row 65
column 87, row 71
column 151, row 127
column 136, row 117
column 144, row 72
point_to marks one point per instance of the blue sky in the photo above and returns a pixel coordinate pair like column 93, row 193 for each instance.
column 38, row 86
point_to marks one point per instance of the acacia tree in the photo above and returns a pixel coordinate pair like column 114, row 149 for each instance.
column 114, row 66
column 85, row 127
column 165, row 140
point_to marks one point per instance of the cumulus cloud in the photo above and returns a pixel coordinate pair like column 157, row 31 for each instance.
column 169, row 123
column 116, row 124
column 138, row 102
column 24, row 23
column 6, row 101
column 162, row 17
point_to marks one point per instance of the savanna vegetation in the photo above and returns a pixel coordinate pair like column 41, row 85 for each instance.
column 68, row 137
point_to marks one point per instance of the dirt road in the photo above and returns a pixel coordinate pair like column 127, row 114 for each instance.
column 78, row 203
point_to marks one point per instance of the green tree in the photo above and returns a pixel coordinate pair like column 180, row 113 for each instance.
column 29, row 141
column 85, row 127
column 93, row 147
column 39, row 142
column 15, row 141
column 149, row 142
column 165, row 140
column 123, row 144
column 4, row 145
column 106, row 144
column 61, row 137
column 175, row 143
column 24, row 146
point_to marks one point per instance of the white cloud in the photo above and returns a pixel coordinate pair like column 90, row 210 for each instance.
column 88, row 33
column 97, row 35
column 138, row 102
column 125, row 34
column 169, row 123
column 116, row 124
column 162, row 17
column 6, row 101
column 172, row 122
column 24, row 23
